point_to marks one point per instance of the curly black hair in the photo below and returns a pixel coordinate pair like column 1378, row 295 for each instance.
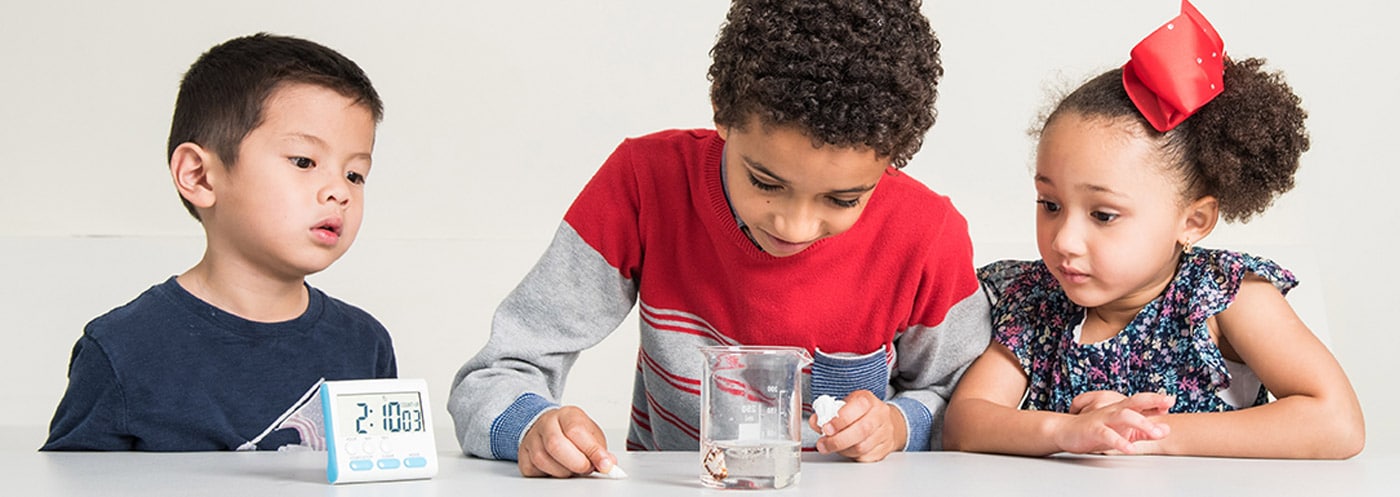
column 850, row 73
column 1242, row 147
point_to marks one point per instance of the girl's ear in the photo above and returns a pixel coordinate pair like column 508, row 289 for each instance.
column 190, row 168
column 1199, row 220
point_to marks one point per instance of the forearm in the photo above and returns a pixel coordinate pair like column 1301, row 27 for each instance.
column 977, row 425
column 570, row 300
column 491, row 409
column 931, row 362
column 1295, row 427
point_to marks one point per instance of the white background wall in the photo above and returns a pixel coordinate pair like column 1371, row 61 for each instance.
column 498, row 112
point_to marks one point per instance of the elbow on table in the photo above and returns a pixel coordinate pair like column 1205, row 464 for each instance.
column 955, row 436
column 1341, row 435
column 952, row 442
column 1350, row 438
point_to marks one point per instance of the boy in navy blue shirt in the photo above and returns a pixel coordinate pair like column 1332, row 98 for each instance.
column 269, row 149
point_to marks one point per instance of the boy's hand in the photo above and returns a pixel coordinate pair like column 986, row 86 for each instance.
column 1101, row 425
column 866, row 429
column 562, row 443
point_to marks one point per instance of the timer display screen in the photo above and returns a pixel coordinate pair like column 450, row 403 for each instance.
column 381, row 413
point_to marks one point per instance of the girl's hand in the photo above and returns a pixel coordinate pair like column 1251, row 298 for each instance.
column 1089, row 401
column 866, row 429
column 1101, row 427
column 564, row 442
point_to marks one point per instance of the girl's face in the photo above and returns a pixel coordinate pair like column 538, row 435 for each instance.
column 791, row 193
column 1110, row 220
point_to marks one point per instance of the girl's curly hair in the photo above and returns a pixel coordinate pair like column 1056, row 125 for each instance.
column 1242, row 148
column 850, row 73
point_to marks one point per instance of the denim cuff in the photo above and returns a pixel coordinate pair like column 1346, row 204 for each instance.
column 919, row 421
column 839, row 375
column 510, row 426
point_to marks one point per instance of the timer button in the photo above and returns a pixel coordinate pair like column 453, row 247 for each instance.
column 388, row 463
column 415, row 462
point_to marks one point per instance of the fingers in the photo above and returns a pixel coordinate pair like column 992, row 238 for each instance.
column 562, row 443
column 1089, row 401
column 1126, row 426
column 857, row 404
column 1150, row 403
column 862, row 430
column 595, row 450
column 535, row 461
column 1131, row 424
column 1113, row 429
column 1110, row 440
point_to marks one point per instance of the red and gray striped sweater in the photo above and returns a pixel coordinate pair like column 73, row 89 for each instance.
column 892, row 305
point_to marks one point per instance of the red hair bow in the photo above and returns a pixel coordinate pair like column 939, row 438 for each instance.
column 1175, row 70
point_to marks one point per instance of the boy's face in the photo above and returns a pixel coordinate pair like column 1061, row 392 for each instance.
column 791, row 193
column 293, row 203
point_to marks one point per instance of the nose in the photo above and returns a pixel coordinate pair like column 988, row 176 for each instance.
column 1067, row 237
column 798, row 223
column 335, row 189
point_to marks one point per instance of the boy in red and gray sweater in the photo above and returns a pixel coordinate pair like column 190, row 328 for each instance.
column 789, row 224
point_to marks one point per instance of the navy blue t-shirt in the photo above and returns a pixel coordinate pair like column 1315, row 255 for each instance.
column 170, row 372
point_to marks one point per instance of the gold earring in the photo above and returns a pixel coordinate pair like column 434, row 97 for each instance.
column 1186, row 247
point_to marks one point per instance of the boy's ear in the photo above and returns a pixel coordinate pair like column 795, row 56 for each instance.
column 1200, row 219
column 723, row 130
column 190, row 167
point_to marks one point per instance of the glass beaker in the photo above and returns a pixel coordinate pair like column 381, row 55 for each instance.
column 751, row 416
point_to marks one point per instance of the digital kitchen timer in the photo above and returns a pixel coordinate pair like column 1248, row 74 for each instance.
column 378, row 430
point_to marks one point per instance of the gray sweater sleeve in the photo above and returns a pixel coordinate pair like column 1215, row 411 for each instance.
column 931, row 361
column 571, row 300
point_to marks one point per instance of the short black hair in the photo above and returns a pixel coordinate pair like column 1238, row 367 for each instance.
column 1243, row 147
column 222, row 94
column 851, row 73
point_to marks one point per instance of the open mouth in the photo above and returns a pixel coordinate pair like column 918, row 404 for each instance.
column 330, row 226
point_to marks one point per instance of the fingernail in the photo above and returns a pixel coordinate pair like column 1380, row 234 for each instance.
column 828, row 430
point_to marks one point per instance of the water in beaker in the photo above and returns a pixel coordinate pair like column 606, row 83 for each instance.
column 751, row 415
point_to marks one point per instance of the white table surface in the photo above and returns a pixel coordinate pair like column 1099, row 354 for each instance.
column 676, row 473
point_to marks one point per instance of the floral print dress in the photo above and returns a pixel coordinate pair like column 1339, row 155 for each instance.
column 1166, row 348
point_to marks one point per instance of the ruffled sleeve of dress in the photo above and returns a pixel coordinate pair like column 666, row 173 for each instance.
column 1215, row 277
column 1206, row 283
column 1028, row 310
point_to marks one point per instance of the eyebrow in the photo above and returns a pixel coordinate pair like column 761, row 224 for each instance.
column 1088, row 186
column 317, row 141
column 753, row 164
column 305, row 137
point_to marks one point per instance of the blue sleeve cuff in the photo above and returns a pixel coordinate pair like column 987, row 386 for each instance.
column 919, row 421
column 508, row 427
column 838, row 375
